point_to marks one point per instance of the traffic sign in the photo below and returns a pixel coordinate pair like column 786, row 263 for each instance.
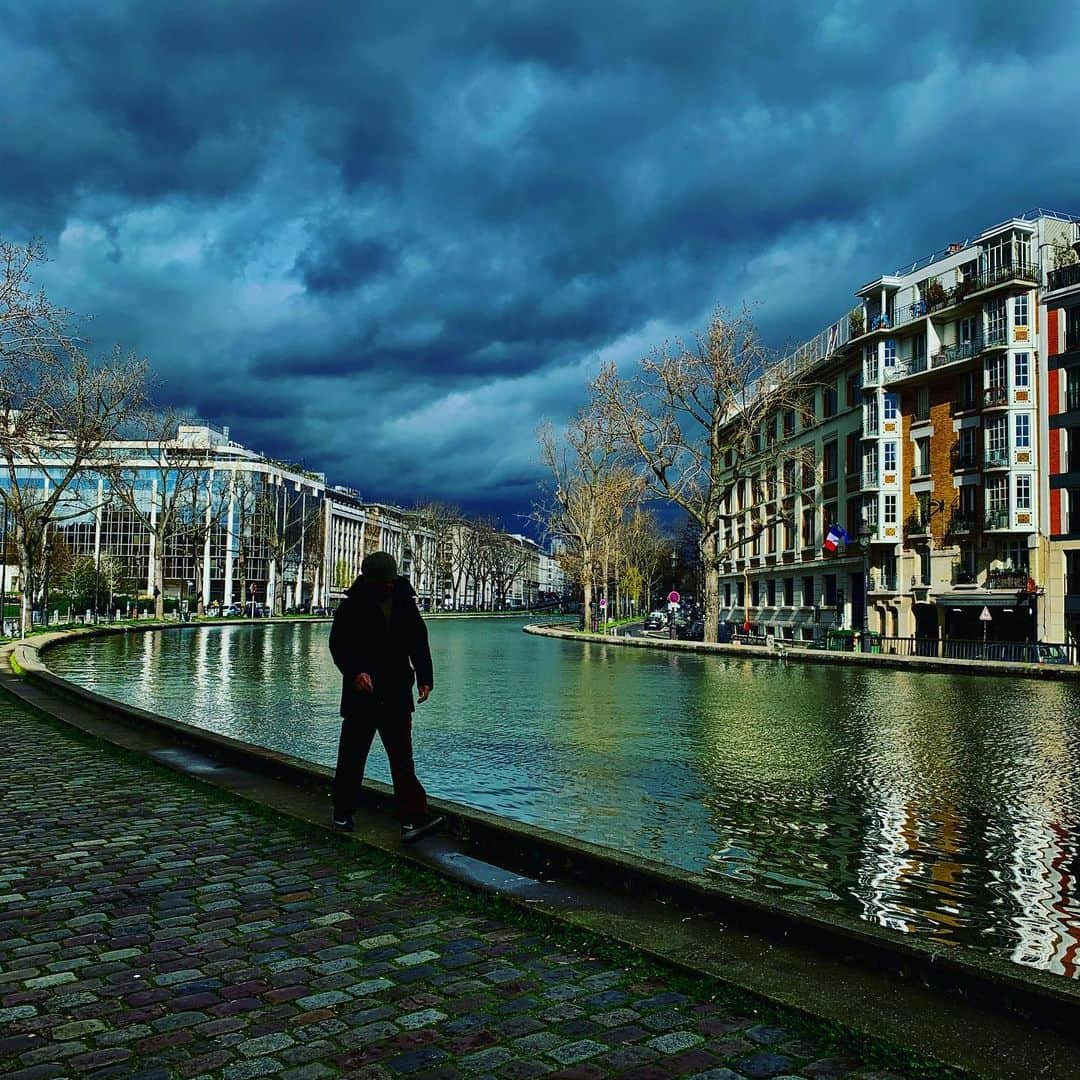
column 603, row 601
column 673, row 597
column 985, row 616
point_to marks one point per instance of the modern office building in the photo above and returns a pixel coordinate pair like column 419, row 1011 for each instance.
column 924, row 429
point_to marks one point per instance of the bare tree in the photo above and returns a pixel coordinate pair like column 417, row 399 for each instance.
column 174, row 471
column 505, row 559
column 590, row 490
column 436, row 520
column 642, row 549
column 200, row 520
column 693, row 417
column 58, row 408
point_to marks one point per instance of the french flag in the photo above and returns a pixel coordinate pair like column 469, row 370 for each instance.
column 836, row 536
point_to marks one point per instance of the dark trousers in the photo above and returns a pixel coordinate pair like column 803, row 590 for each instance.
column 357, row 735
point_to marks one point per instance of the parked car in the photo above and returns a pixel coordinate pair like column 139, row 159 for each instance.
column 233, row 611
column 692, row 631
column 656, row 620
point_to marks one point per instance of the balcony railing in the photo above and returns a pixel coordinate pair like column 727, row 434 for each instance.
column 916, row 525
column 920, row 471
column 1063, row 277
column 958, row 351
column 1021, row 272
column 904, row 368
column 963, row 457
column 870, row 479
column 963, row 576
column 994, row 396
column 997, row 519
column 880, row 581
column 996, row 459
column 962, row 522
column 870, row 431
column 1014, row 580
column 996, row 339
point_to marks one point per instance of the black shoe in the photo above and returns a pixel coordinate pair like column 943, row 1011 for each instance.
column 411, row 833
column 344, row 822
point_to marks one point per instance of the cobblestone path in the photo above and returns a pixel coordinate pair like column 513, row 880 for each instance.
column 152, row 928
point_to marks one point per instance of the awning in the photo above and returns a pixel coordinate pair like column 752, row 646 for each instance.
column 979, row 600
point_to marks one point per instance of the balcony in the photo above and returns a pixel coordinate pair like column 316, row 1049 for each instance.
column 996, row 339
column 997, row 519
column 1063, row 278
column 963, row 575
column 916, row 525
column 870, row 431
column 962, row 521
column 1012, row 580
column 920, row 470
column 957, row 353
column 1003, row 275
column 869, row 479
column 996, row 459
column 994, row 397
column 882, row 582
column 963, row 458
column 906, row 369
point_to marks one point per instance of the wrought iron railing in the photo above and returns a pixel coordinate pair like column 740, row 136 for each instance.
column 995, row 395
column 916, row 525
column 997, row 519
column 961, row 522
column 996, row 459
column 1063, row 277
column 960, row 350
column 962, row 575
column 963, row 457
column 1016, row 580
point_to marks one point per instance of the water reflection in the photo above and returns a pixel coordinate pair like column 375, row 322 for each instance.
column 927, row 804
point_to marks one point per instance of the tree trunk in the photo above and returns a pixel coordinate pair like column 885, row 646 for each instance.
column 159, row 580
column 587, row 586
column 710, row 570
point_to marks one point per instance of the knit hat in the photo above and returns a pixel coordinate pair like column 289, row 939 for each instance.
column 379, row 566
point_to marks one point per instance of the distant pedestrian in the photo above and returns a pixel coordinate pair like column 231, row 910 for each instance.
column 380, row 644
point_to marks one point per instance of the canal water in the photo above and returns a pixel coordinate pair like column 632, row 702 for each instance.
column 944, row 806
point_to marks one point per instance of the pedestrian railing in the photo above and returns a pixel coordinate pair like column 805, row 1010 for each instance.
column 1026, row 652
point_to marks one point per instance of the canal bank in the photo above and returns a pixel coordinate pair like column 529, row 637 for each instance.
column 989, row 1019
column 788, row 653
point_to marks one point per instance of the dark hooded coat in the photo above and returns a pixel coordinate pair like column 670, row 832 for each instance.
column 361, row 640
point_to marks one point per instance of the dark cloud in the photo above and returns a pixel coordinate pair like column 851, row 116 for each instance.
column 428, row 223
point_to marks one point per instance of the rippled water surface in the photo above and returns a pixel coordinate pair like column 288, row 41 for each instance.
column 930, row 804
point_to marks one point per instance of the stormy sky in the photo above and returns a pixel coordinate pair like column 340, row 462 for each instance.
column 387, row 240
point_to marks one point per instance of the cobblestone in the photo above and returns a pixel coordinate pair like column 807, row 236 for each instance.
column 153, row 929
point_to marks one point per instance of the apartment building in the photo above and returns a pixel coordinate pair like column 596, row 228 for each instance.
column 1063, row 443
column 939, row 374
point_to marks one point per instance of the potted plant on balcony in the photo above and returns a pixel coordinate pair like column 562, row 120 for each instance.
column 856, row 323
column 935, row 296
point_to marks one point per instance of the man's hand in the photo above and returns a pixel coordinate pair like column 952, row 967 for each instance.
column 363, row 683
column 423, row 693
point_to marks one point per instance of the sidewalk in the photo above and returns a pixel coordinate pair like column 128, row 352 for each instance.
column 153, row 927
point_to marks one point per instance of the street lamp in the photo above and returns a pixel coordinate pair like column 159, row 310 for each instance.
column 864, row 548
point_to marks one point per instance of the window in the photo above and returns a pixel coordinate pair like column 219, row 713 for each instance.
column 789, row 592
column 870, row 363
column 1015, row 555
column 829, row 462
column 922, row 403
column 808, row 468
column 969, row 501
column 870, row 513
column 870, row 417
column 770, row 539
column 870, row 458
column 918, row 352
column 997, row 316
column 852, row 390
column 808, row 528
column 829, row 598
column 808, row 592
column 727, row 594
column 889, row 510
column 807, row 408
column 1022, row 434
column 1023, row 492
column 968, row 329
column 997, row 442
column 755, row 592
column 997, row 495
column 888, row 452
column 1021, row 369
column 1020, row 310
column 890, row 353
column 789, row 535
column 924, row 566
column 789, row 477
column 828, row 401
column 995, row 373
column 789, row 421
column 852, row 453
column 922, row 458
column 740, row 594
column 854, row 511
column 770, row 592
column 968, row 450
column 828, row 517
column 966, row 391
column 891, row 410
column 1072, row 389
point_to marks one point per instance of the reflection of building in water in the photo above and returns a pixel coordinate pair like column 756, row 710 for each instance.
column 1042, row 886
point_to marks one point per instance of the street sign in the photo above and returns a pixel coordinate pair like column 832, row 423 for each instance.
column 985, row 616
column 603, row 601
column 673, row 597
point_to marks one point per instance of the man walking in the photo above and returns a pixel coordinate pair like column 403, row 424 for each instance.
column 379, row 644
